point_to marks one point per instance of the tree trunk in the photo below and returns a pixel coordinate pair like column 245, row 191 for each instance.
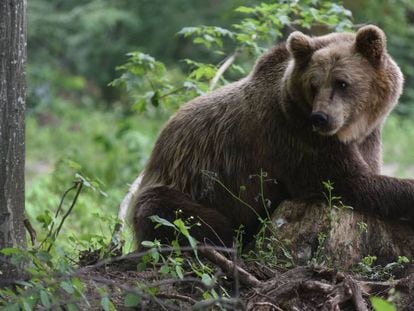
column 340, row 236
column 12, row 148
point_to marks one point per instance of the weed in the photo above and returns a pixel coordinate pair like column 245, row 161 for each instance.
column 172, row 262
column 268, row 248
column 367, row 267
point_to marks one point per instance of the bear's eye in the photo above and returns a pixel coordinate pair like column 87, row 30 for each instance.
column 341, row 84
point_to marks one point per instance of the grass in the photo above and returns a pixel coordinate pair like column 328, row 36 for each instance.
column 109, row 148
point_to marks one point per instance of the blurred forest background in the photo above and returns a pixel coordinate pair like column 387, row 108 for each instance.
column 80, row 125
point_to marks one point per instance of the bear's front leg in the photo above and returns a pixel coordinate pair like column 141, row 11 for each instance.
column 170, row 204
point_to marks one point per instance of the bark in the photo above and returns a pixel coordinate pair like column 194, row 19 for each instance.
column 12, row 148
column 339, row 236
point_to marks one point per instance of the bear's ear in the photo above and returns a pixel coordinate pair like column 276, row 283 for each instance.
column 300, row 46
column 371, row 43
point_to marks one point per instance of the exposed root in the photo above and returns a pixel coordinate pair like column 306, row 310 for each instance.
column 231, row 268
column 307, row 288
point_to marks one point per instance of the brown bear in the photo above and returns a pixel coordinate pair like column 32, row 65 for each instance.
column 310, row 111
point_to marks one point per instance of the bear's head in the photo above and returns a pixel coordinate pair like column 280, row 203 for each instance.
column 344, row 84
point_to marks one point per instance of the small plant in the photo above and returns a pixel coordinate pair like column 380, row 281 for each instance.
column 52, row 283
column 53, row 232
column 334, row 202
column 362, row 227
column 367, row 267
column 369, row 261
column 173, row 263
column 268, row 248
column 54, row 280
column 320, row 257
column 239, row 239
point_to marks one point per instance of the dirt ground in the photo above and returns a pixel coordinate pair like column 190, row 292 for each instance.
column 244, row 286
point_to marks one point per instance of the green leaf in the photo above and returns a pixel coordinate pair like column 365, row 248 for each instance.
column 179, row 223
column 155, row 99
column 152, row 290
column 72, row 307
column 161, row 221
column 67, row 287
column 176, row 246
column 179, row 271
column 85, row 181
column 380, row 304
column 74, row 165
column 148, row 244
column 27, row 305
column 10, row 251
column 78, row 285
column 244, row 9
column 187, row 31
column 155, row 257
column 45, row 219
column 43, row 256
column 403, row 260
column 209, row 38
column 24, row 283
column 207, row 279
column 165, row 269
column 13, row 307
column 193, row 242
column 132, row 300
column 44, row 298
column 106, row 304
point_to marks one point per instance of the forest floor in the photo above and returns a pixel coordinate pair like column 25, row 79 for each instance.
column 246, row 285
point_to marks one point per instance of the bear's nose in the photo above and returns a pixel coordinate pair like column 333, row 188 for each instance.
column 319, row 119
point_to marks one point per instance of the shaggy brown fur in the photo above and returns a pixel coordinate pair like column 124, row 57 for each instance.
column 263, row 122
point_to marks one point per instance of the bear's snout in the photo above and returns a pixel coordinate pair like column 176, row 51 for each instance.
column 319, row 120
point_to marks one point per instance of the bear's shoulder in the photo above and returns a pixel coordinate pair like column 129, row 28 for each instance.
column 273, row 59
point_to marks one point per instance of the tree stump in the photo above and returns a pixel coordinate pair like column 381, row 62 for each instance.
column 340, row 235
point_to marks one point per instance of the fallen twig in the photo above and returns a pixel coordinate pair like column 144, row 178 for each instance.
column 177, row 297
column 227, row 303
column 317, row 286
column 258, row 305
column 229, row 267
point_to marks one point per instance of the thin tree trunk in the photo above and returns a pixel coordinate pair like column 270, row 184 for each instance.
column 12, row 147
